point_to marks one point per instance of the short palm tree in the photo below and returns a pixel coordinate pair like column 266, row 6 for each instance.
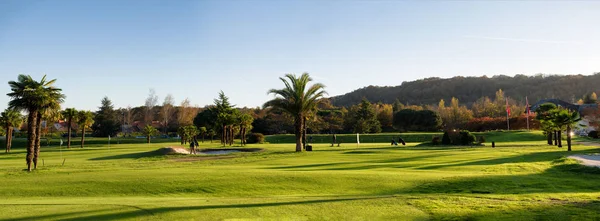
column 70, row 114
column 32, row 96
column 85, row 119
column 297, row 99
column 10, row 119
column 149, row 131
column 566, row 118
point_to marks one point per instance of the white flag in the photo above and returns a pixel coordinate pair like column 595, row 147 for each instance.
column 108, row 137
column 61, row 142
column 357, row 138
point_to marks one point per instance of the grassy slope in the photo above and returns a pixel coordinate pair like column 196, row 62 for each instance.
column 522, row 180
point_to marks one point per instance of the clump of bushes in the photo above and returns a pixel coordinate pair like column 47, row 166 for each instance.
column 255, row 138
column 463, row 137
column 593, row 134
column 446, row 139
column 436, row 140
column 481, row 140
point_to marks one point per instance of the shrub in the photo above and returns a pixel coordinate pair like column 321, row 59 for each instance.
column 255, row 138
column 466, row 137
column 481, row 139
column 435, row 140
column 593, row 134
column 446, row 139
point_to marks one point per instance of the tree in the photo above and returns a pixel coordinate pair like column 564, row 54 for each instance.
column 297, row 99
column 33, row 96
column 85, row 119
column 149, row 131
column 565, row 118
column 245, row 121
column 223, row 111
column 590, row 98
column 363, row 118
column 455, row 116
column 202, row 131
column 149, row 105
column 70, row 114
column 105, row 120
column 385, row 115
column 397, row 106
column 10, row 119
column 411, row 120
column 545, row 117
column 186, row 113
column 167, row 111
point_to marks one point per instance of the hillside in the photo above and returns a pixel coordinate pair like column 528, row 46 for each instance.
column 469, row 89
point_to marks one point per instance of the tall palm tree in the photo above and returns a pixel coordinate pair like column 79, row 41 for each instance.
column 10, row 119
column 32, row 96
column 70, row 114
column 85, row 119
column 52, row 100
column 297, row 99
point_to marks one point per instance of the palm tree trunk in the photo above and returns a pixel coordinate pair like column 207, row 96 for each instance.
column 549, row 135
column 298, row 126
column 69, row 135
column 7, row 138
column 304, row 133
column 38, row 137
column 224, row 135
column 559, row 138
column 10, row 137
column 82, row 136
column 31, row 130
column 568, row 138
column 148, row 138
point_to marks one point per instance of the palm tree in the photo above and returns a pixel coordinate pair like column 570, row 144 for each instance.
column 70, row 114
column 52, row 100
column 32, row 96
column 149, row 131
column 10, row 119
column 298, row 100
column 566, row 118
column 85, row 119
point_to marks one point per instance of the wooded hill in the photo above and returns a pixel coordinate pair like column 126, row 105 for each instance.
column 468, row 89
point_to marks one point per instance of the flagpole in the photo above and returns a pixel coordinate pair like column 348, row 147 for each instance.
column 527, row 106
column 507, row 115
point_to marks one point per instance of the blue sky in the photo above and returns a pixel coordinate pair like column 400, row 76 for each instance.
column 194, row 49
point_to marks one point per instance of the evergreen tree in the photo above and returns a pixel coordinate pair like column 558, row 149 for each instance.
column 105, row 121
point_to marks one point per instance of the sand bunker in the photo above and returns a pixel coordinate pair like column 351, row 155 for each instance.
column 182, row 150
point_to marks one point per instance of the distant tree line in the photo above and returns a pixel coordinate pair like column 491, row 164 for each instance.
column 469, row 90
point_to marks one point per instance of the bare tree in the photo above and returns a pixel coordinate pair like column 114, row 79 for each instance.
column 149, row 105
column 186, row 113
column 167, row 110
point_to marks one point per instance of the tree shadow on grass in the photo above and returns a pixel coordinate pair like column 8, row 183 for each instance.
column 520, row 158
column 139, row 155
column 563, row 177
column 149, row 213
column 321, row 166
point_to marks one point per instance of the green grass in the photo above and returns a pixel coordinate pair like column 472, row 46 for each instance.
column 524, row 180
